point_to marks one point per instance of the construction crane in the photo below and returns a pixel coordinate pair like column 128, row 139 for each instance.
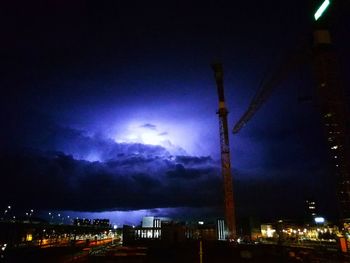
column 225, row 154
column 266, row 87
column 331, row 100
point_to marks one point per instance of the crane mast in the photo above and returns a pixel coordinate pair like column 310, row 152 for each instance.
column 225, row 153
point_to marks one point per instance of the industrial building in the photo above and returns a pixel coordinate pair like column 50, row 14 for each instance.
column 172, row 232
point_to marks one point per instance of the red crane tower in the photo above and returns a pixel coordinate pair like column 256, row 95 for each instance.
column 225, row 153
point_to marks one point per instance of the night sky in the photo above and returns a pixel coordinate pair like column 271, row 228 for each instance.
column 111, row 107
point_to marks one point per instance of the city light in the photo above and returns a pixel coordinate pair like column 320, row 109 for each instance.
column 321, row 9
column 29, row 237
column 319, row 220
column 4, row 247
column 334, row 147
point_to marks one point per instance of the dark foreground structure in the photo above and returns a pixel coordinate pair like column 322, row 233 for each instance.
column 162, row 242
column 212, row 251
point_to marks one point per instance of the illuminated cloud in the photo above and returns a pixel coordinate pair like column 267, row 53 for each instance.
column 149, row 126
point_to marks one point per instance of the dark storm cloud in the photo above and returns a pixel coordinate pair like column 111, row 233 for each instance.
column 181, row 172
column 149, row 126
column 194, row 160
column 57, row 180
column 64, row 168
column 33, row 129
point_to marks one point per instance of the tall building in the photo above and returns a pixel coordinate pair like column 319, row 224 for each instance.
column 333, row 107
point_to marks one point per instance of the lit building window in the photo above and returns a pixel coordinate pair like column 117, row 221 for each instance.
column 29, row 237
column 334, row 147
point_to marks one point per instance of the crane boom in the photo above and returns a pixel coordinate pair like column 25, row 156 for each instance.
column 266, row 89
column 225, row 154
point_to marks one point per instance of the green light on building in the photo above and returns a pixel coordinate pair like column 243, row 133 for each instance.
column 321, row 9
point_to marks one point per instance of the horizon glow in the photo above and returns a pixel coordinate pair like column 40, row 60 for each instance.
column 134, row 217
